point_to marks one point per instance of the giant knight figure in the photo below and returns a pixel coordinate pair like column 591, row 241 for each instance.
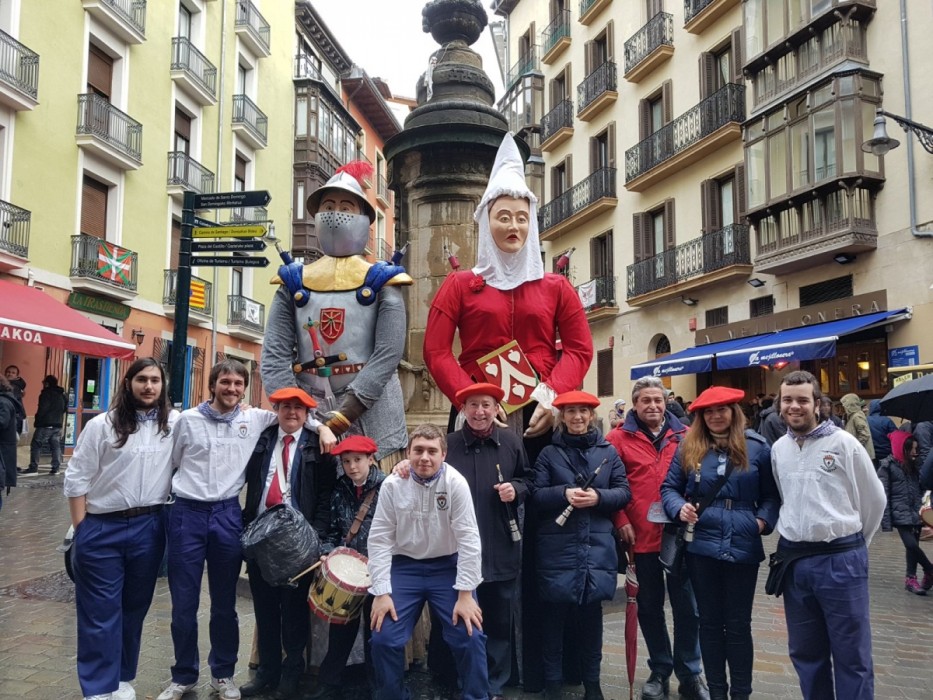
column 336, row 326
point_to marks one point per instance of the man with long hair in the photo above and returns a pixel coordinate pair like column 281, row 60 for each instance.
column 833, row 503
column 117, row 483
column 213, row 443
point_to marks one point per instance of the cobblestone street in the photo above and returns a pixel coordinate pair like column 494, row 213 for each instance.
column 37, row 625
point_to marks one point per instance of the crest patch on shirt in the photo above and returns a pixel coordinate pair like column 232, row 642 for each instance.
column 242, row 430
column 442, row 502
column 828, row 464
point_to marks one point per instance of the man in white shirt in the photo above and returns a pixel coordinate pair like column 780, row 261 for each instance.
column 833, row 502
column 424, row 546
column 213, row 443
column 117, row 482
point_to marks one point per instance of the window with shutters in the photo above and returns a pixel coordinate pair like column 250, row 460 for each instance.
column 655, row 111
column 653, row 7
column 654, row 237
column 559, row 91
column 239, row 174
column 721, row 66
column 717, row 317
column 236, row 281
column 723, row 201
column 94, row 194
column 828, row 290
column 560, row 178
column 605, row 385
column 762, row 306
column 601, row 256
column 184, row 22
column 182, row 131
column 602, row 149
column 99, row 72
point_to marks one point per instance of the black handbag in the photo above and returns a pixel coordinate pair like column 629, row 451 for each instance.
column 674, row 535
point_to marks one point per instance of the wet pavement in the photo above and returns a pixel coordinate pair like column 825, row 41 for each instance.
column 37, row 622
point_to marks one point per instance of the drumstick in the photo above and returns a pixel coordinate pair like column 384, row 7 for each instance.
column 306, row 571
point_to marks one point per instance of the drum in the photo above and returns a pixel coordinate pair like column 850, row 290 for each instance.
column 340, row 586
column 926, row 515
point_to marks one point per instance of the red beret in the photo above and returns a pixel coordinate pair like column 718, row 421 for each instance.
column 717, row 396
column 575, row 398
column 481, row 389
column 356, row 443
column 292, row 392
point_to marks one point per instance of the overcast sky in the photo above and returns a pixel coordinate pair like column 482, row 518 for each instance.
column 384, row 37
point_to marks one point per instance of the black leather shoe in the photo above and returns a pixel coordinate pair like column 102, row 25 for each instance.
column 256, row 686
column 288, row 683
column 657, row 687
column 694, row 689
column 592, row 691
column 553, row 690
column 325, row 691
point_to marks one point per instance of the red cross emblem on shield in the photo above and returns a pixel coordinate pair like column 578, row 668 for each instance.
column 332, row 324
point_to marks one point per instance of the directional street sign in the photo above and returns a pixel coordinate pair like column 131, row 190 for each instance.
column 198, row 221
column 231, row 200
column 229, row 232
column 227, row 246
column 233, row 261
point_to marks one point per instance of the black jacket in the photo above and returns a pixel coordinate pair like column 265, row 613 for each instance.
column 476, row 459
column 51, row 409
column 903, row 492
column 772, row 425
column 9, row 426
column 312, row 478
column 881, row 427
column 344, row 505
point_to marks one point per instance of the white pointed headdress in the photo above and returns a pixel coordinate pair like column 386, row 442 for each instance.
column 503, row 270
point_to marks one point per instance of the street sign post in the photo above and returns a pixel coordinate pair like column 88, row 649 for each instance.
column 229, row 232
column 232, row 200
column 247, row 246
column 232, row 261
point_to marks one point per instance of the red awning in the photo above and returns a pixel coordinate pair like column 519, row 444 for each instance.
column 29, row 315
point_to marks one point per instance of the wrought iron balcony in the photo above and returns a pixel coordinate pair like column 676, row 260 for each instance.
column 700, row 14
column 556, row 36
column 249, row 215
column 602, row 298
column 305, row 68
column 590, row 9
column 725, row 106
column 200, row 300
column 252, row 27
column 597, row 84
column 561, row 117
column 701, row 256
column 657, row 34
column 106, row 266
column 245, row 313
column 126, row 18
column 250, row 121
column 382, row 190
column 185, row 173
column 19, row 70
column 383, row 249
column 118, row 136
column 527, row 63
column 14, row 230
column 600, row 184
column 194, row 66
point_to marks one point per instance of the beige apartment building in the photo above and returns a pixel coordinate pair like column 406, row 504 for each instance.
column 701, row 164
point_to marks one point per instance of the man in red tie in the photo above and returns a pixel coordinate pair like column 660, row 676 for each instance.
column 286, row 466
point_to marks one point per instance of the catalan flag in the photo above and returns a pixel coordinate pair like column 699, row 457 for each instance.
column 198, row 298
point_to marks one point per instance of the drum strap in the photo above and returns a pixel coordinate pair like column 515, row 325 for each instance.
column 360, row 516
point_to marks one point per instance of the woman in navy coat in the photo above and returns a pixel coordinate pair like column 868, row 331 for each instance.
column 577, row 561
column 723, row 558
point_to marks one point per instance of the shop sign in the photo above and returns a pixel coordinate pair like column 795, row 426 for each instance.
column 905, row 356
column 96, row 305
column 20, row 335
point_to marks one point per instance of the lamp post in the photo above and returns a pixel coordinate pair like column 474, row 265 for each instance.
column 881, row 143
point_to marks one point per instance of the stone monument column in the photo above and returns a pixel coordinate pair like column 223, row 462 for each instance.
column 438, row 166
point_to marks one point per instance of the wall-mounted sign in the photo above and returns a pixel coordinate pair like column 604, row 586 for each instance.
column 96, row 305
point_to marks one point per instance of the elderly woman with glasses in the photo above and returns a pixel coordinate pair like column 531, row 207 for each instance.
column 726, row 550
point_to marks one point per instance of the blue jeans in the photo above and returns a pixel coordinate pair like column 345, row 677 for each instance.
column 725, row 592
column 51, row 434
column 684, row 661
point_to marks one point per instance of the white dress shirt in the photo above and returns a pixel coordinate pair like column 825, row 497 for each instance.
column 273, row 467
column 829, row 489
column 423, row 522
column 113, row 479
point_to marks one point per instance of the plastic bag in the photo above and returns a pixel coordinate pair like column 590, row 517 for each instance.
column 281, row 543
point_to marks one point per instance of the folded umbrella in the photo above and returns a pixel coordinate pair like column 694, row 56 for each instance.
column 631, row 622
column 912, row 400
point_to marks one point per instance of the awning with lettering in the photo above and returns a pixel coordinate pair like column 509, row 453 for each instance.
column 802, row 343
column 690, row 361
column 29, row 315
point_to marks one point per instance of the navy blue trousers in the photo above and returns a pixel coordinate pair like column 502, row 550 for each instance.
column 198, row 533
column 116, row 562
column 828, row 628
column 590, row 642
column 414, row 583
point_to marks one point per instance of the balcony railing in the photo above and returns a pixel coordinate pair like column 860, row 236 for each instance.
column 246, row 313
column 599, row 184
column 14, row 229
column 185, row 171
column 19, row 66
column 249, row 215
column 526, row 63
column 694, row 7
column 601, row 80
column 555, row 31
column 558, row 118
column 383, row 249
column 96, row 259
column 131, row 11
column 187, row 58
column 201, row 297
column 724, row 106
column 246, row 112
column 605, row 294
column 382, row 188
column 658, row 32
column 98, row 118
column 247, row 16
column 701, row 256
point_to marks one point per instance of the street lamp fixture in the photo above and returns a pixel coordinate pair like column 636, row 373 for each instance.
column 756, row 282
column 880, row 143
column 689, row 301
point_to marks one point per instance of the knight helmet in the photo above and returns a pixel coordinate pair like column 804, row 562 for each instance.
column 341, row 234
